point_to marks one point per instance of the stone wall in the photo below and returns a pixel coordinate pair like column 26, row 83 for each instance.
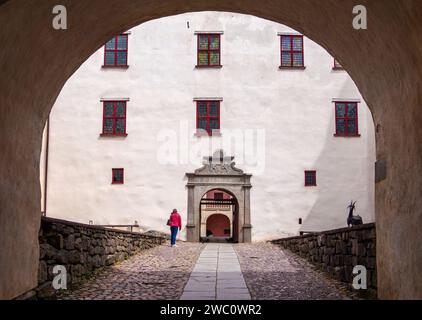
column 336, row 252
column 83, row 248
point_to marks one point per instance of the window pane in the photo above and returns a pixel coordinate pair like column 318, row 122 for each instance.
column 286, row 59
column 351, row 127
column 297, row 59
column 310, row 178
column 108, row 109
column 118, row 176
column 120, row 125
column 214, row 109
column 111, row 44
column 108, row 126
column 215, row 42
column 351, row 110
column 202, row 124
column 341, row 126
column 214, row 124
column 203, row 41
column 203, row 58
column 121, row 42
column 215, row 58
column 122, row 58
column 285, row 43
column 109, row 58
column 120, row 109
column 202, row 109
column 340, row 110
column 218, row 195
column 297, row 43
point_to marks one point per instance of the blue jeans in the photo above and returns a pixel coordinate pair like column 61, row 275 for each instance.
column 173, row 234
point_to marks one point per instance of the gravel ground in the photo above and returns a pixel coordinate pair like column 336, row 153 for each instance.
column 159, row 273
column 275, row 274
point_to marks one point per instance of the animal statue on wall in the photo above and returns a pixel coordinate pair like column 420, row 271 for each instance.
column 351, row 219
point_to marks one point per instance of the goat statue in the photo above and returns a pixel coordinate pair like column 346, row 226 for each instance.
column 351, row 219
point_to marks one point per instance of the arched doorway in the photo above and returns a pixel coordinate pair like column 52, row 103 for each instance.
column 26, row 104
column 218, row 226
column 219, row 217
column 219, row 178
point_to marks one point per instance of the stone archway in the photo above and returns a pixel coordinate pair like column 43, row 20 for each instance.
column 385, row 61
column 219, row 172
column 218, row 225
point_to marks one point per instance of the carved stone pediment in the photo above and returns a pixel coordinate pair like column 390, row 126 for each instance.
column 218, row 164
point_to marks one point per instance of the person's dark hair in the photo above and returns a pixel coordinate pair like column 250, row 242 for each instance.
column 174, row 210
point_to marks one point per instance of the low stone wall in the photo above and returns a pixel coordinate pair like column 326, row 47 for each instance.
column 83, row 248
column 336, row 252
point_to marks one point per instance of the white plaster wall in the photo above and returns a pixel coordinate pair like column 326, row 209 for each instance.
column 291, row 112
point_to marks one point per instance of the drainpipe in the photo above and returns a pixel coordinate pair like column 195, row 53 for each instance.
column 46, row 165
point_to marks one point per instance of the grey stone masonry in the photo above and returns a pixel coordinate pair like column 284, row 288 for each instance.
column 337, row 252
column 216, row 276
column 83, row 248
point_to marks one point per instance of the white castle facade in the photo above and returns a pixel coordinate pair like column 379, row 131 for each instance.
column 145, row 110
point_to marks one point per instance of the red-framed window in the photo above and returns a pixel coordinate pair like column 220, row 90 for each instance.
column 292, row 51
column 114, row 118
column 208, row 117
column 337, row 65
column 118, row 176
column 209, row 50
column 310, row 178
column 346, row 119
column 116, row 51
column 218, row 195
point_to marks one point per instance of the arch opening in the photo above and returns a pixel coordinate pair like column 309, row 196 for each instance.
column 219, row 212
column 399, row 137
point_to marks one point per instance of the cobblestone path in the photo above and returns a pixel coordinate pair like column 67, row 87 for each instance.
column 162, row 273
column 159, row 273
column 275, row 274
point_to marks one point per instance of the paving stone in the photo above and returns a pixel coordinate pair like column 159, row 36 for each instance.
column 196, row 296
column 230, row 296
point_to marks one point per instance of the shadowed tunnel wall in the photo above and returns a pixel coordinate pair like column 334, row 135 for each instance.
column 385, row 61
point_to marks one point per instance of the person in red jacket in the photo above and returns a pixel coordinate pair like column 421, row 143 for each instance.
column 175, row 223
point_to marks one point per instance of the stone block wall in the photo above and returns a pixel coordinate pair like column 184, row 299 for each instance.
column 336, row 252
column 83, row 248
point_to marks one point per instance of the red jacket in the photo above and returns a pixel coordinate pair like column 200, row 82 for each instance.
column 175, row 220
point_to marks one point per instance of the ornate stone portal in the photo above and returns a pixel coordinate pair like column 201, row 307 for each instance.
column 219, row 172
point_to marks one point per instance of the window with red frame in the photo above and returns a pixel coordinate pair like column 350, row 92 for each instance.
column 292, row 51
column 346, row 119
column 116, row 51
column 218, row 195
column 114, row 118
column 118, row 176
column 209, row 50
column 310, row 178
column 208, row 116
column 337, row 65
